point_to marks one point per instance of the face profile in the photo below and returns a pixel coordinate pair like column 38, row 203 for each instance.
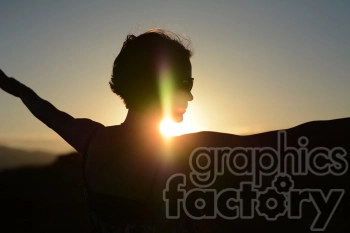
column 180, row 105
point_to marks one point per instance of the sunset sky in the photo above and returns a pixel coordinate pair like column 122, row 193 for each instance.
column 258, row 65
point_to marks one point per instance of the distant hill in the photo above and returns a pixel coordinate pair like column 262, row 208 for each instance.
column 13, row 158
column 44, row 198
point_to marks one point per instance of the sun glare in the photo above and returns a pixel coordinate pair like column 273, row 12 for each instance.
column 169, row 128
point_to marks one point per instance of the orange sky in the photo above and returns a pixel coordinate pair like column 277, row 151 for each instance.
column 257, row 66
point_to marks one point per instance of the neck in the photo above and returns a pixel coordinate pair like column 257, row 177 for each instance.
column 143, row 122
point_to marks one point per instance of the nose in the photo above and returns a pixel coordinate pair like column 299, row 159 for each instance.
column 190, row 96
column 182, row 97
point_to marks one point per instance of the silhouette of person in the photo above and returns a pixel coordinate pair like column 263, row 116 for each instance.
column 128, row 167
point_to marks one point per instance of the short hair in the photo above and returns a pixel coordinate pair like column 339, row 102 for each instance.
column 134, row 76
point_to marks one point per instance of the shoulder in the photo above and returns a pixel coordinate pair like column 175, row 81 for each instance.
column 206, row 139
column 321, row 131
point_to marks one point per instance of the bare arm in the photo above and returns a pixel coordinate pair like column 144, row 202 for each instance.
column 76, row 132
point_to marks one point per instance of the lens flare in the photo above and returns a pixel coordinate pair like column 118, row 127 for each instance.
column 166, row 87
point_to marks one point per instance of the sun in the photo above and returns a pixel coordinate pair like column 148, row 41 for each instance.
column 169, row 128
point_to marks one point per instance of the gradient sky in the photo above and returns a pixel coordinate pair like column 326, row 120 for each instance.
column 258, row 65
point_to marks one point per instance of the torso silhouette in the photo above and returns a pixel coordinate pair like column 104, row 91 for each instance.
column 125, row 173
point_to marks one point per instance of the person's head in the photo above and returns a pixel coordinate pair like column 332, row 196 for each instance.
column 153, row 73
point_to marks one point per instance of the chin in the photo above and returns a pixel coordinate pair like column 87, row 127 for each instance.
column 177, row 118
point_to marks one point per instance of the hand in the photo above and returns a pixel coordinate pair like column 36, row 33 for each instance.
column 2, row 76
column 11, row 85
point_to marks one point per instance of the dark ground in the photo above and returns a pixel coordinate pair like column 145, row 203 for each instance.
column 50, row 198
column 44, row 198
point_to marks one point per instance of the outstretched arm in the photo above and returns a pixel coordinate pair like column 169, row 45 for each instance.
column 76, row 132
